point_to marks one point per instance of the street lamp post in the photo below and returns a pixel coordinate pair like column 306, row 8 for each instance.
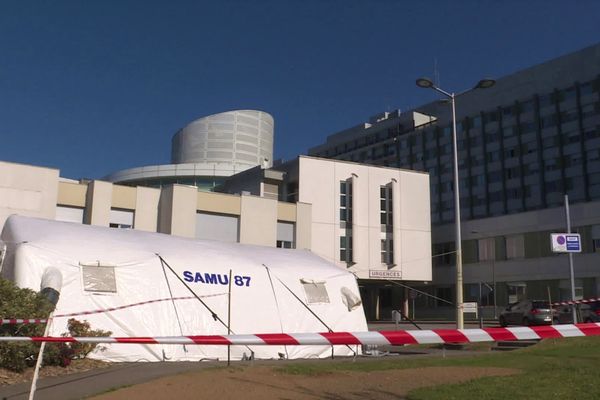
column 482, row 84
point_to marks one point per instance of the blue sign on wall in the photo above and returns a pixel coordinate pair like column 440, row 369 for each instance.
column 566, row 242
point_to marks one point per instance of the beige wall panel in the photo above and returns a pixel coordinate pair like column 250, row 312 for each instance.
column 71, row 194
column 27, row 190
column 218, row 203
column 319, row 185
column 124, row 197
column 286, row 212
column 314, row 175
column 258, row 221
column 362, row 243
column 165, row 209
column 98, row 203
column 415, row 202
column 146, row 209
column 416, row 256
column 183, row 209
column 325, row 242
column 303, row 225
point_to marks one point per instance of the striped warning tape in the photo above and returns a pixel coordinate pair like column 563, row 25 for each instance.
column 570, row 302
column 13, row 321
column 349, row 338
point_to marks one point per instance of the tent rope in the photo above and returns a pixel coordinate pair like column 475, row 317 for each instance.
column 276, row 305
column 307, row 307
column 174, row 306
column 213, row 314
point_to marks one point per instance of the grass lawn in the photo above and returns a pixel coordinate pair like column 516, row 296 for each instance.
column 554, row 369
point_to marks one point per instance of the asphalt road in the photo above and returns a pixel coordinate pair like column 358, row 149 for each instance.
column 427, row 325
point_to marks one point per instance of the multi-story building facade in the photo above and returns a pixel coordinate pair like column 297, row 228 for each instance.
column 369, row 220
column 174, row 209
column 522, row 145
column 209, row 150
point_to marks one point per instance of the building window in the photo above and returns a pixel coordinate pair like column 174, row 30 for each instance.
column 346, row 249
column 564, row 286
column 515, row 247
column 387, row 251
column 221, row 227
column 69, row 214
column 516, row 291
column 386, row 216
column 443, row 293
column 346, row 201
column 346, row 221
column 386, row 208
column 121, row 218
column 486, row 249
column 285, row 235
column 443, row 254
column 596, row 238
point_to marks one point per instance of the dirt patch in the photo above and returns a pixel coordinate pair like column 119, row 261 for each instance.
column 10, row 378
column 259, row 383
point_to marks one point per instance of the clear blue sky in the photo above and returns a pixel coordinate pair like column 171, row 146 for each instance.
column 91, row 87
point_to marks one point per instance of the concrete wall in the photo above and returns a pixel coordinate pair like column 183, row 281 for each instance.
column 173, row 209
column 177, row 210
column 72, row 194
column 98, row 203
column 146, row 209
column 219, row 203
column 27, row 190
column 551, row 267
column 258, row 221
column 36, row 191
column 319, row 185
column 304, row 226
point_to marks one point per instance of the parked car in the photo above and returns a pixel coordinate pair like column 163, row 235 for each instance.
column 527, row 312
column 587, row 312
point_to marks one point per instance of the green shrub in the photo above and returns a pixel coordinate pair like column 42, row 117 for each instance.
column 20, row 303
column 25, row 303
column 78, row 328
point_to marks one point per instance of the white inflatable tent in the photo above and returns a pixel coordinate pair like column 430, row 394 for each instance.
column 272, row 289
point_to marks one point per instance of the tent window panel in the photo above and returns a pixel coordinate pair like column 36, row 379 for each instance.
column 315, row 293
column 99, row 279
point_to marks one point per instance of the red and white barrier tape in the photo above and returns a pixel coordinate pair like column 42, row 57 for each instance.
column 570, row 302
column 13, row 321
column 349, row 338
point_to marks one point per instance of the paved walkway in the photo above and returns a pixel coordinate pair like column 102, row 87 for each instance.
column 81, row 385
column 85, row 384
